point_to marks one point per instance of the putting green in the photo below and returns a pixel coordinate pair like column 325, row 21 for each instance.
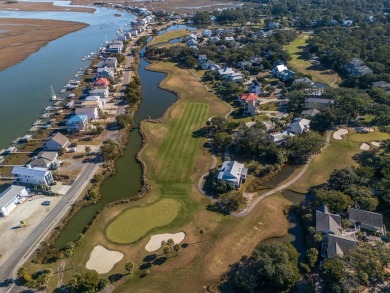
column 133, row 224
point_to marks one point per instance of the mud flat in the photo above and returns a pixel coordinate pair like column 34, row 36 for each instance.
column 41, row 6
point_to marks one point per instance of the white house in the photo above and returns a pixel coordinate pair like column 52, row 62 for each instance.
column 215, row 39
column 232, row 172
column 111, row 62
column 225, row 72
column 105, row 72
column 280, row 137
column 207, row 33
column 210, row 65
column 91, row 112
column 77, row 123
column 56, row 143
column 229, row 39
column 100, row 101
column 282, row 72
column 299, row 126
column 236, row 77
column 46, row 160
column 34, row 176
column 102, row 92
column 12, row 196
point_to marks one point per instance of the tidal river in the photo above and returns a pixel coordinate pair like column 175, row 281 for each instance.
column 25, row 87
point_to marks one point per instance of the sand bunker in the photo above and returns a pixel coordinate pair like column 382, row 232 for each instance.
column 103, row 260
column 155, row 241
column 365, row 146
column 339, row 133
column 376, row 143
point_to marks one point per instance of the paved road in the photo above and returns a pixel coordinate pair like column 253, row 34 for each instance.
column 246, row 211
column 25, row 250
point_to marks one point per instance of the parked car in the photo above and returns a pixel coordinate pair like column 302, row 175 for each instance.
column 46, row 203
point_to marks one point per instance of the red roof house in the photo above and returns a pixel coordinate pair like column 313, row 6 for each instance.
column 102, row 82
column 249, row 97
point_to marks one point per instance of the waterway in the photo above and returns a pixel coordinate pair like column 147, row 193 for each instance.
column 25, row 90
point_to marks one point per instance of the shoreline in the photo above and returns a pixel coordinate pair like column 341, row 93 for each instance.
column 42, row 6
column 23, row 37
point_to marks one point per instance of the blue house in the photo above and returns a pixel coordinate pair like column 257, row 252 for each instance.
column 77, row 123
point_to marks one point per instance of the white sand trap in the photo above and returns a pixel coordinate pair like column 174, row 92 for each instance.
column 365, row 146
column 155, row 241
column 339, row 133
column 376, row 143
column 103, row 260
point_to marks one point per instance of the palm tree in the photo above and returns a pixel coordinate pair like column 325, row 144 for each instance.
column 170, row 242
column 166, row 251
column 129, row 267
column 177, row 248
column 69, row 253
column 87, row 150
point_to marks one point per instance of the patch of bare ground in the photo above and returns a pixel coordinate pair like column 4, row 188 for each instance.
column 22, row 37
column 41, row 6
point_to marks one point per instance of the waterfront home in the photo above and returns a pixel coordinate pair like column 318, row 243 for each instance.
column 103, row 82
column 33, row 176
column 91, row 112
column 366, row 220
column 56, row 143
column 310, row 113
column 10, row 150
column 299, row 125
column 105, row 72
column 249, row 101
column 111, row 62
column 233, row 173
column 356, row 67
column 192, row 42
column 255, row 87
column 101, row 102
column 46, row 160
column 77, row 123
column 280, row 137
column 318, row 103
column 12, row 196
column 338, row 245
column 69, row 105
column 102, row 92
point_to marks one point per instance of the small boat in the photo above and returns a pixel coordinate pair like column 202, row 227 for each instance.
column 53, row 95
column 71, row 96
column 62, row 91
column 82, row 59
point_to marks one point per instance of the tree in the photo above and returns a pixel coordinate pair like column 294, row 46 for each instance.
column 201, row 17
column 323, row 120
column 110, row 150
column 123, row 120
column 88, row 282
column 221, row 141
column 300, row 148
column 69, row 253
column 177, row 248
column 87, row 150
column 189, row 62
column 129, row 267
column 166, row 250
column 333, row 273
column 311, row 256
column 170, row 242
column 232, row 201
column 335, row 200
column 343, row 178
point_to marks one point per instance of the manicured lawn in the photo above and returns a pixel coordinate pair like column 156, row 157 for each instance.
column 133, row 224
column 167, row 36
column 295, row 48
column 336, row 156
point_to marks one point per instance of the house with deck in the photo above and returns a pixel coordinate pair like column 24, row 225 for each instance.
column 367, row 220
column 33, row 176
column 250, row 102
column 46, row 160
column 233, row 173
column 56, row 143
column 299, row 125
column 318, row 103
column 12, row 196
column 102, row 92
column 282, row 72
column 356, row 67
column 77, row 123
column 280, row 137
column 106, row 72
column 91, row 112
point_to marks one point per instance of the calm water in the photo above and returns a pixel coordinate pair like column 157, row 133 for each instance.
column 26, row 86
column 127, row 180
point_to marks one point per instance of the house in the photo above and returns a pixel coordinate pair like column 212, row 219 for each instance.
column 310, row 113
column 337, row 245
column 25, row 138
column 100, row 102
column 210, row 65
column 235, row 77
column 313, row 91
column 105, row 72
column 326, row 222
column 225, row 72
column 56, row 143
column 299, row 126
column 215, row 39
column 264, row 34
column 202, row 59
column 347, row 22
column 12, row 196
column 115, row 48
column 250, row 102
column 333, row 22
column 273, row 25
column 192, row 42
column 255, row 60
column 244, row 64
column 77, row 123
column 91, row 112
column 282, row 72
column 366, row 220
column 255, row 87
column 34, row 176
column 111, row 62
column 103, row 82
column 304, row 81
column 280, row 137
column 46, row 160
column 233, row 173
column 318, row 103
column 356, row 67
column 69, row 105
column 102, row 92
column 207, row 33
column 381, row 84
column 229, row 39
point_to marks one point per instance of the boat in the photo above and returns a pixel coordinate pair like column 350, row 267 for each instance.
column 62, row 91
column 53, row 95
column 71, row 96
column 82, row 59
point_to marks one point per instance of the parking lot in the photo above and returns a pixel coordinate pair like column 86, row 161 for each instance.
column 33, row 212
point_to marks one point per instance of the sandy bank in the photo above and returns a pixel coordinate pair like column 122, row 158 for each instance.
column 103, row 260
column 41, row 6
column 22, row 37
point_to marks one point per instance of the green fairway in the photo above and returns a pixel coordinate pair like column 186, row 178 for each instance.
column 167, row 36
column 178, row 150
column 133, row 224
column 296, row 50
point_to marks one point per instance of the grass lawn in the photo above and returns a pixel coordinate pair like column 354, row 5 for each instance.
column 295, row 49
column 167, row 36
column 143, row 220
column 337, row 155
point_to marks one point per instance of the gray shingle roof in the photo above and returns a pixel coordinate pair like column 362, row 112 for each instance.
column 365, row 217
column 327, row 222
column 340, row 245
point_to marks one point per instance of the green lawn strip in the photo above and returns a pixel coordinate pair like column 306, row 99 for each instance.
column 133, row 224
column 174, row 144
column 168, row 36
